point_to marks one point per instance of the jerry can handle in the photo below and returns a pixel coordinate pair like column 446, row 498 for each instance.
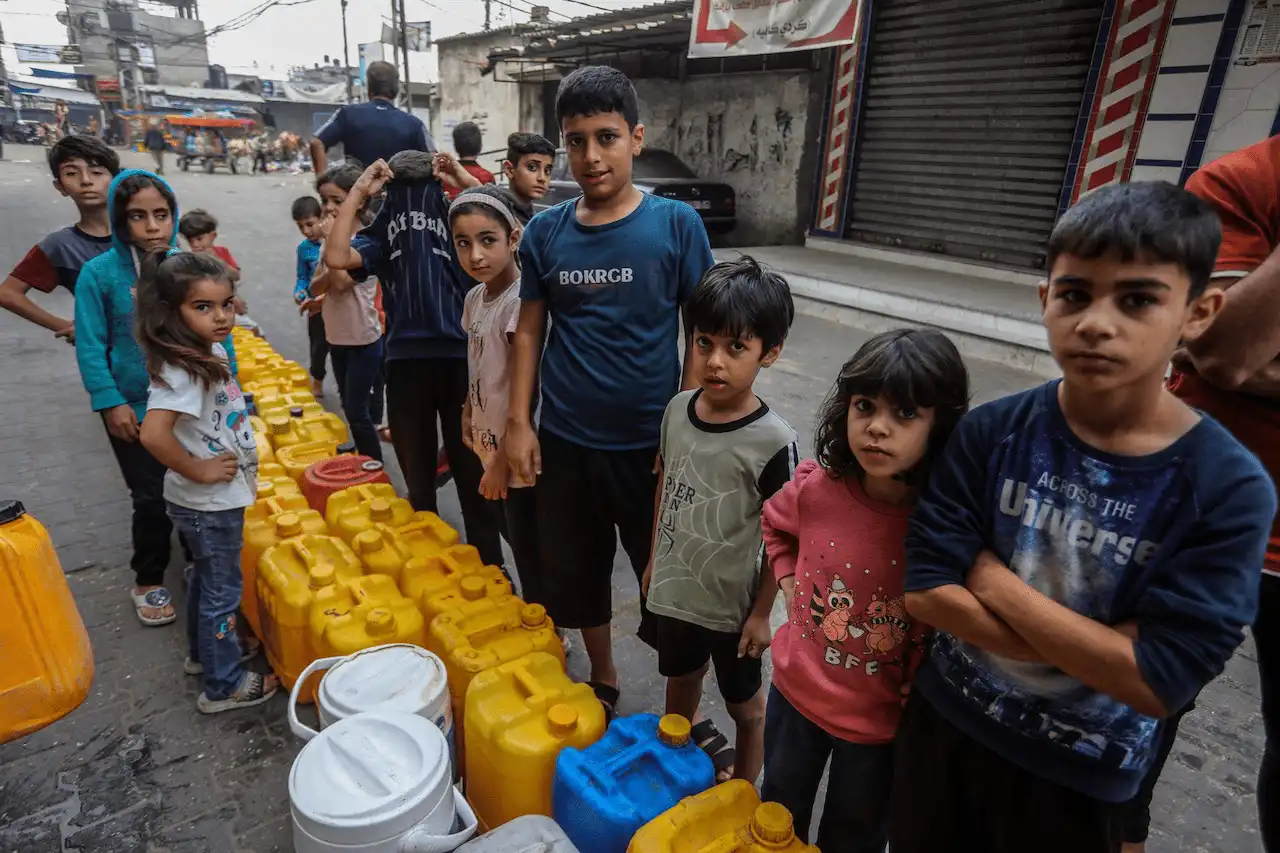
column 303, row 731
column 419, row 841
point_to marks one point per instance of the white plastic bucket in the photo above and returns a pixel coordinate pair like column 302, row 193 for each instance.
column 394, row 677
column 377, row 782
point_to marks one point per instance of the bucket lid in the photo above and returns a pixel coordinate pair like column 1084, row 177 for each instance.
column 372, row 776
column 11, row 511
column 396, row 677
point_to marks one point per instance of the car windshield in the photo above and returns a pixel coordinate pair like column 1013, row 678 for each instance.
column 655, row 163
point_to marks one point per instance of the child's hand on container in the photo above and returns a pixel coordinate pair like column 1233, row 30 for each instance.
column 219, row 469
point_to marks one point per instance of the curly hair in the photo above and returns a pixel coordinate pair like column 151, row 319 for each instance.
column 913, row 368
column 163, row 284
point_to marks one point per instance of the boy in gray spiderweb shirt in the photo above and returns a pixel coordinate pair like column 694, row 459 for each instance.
column 723, row 453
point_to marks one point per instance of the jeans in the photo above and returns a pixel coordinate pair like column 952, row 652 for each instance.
column 1266, row 637
column 855, row 814
column 144, row 476
column 358, row 371
column 213, row 596
column 420, row 391
column 319, row 345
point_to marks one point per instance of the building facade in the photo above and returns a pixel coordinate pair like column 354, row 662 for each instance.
column 961, row 129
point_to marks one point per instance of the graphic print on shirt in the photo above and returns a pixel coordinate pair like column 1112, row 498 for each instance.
column 864, row 637
column 683, row 491
column 485, row 439
column 1072, row 528
column 233, row 420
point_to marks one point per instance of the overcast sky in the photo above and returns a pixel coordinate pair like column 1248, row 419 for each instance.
column 300, row 34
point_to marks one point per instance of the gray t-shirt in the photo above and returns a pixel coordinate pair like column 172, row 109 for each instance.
column 707, row 547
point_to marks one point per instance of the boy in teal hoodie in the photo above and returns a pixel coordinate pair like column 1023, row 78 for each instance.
column 144, row 216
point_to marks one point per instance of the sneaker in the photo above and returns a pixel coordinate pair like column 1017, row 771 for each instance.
column 254, row 689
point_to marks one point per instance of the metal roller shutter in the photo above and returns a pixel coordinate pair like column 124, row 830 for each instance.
column 969, row 111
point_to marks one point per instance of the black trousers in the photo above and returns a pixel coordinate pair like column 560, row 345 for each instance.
column 518, row 519
column 152, row 529
column 319, row 345
column 975, row 800
column 420, row 391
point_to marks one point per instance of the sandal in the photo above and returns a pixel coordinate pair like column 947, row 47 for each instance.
column 254, row 689
column 155, row 599
column 711, row 741
column 608, row 696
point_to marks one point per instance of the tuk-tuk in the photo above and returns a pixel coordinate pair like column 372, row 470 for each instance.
column 204, row 140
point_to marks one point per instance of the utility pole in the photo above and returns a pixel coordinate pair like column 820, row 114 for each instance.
column 395, row 41
column 346, row 52
column 404, row 48
column 487, row 10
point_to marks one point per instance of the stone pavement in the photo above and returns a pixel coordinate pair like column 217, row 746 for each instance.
column 137, row 768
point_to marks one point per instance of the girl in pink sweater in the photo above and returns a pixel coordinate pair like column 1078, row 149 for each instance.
column 843, row 662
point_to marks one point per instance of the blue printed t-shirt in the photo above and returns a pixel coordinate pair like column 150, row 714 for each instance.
column 614, row 292
column 1173, row 540
column 375, row 130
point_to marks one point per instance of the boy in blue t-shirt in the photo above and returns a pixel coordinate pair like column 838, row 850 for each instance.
column 611, row 269
column 1088, row 552
column 307, row 215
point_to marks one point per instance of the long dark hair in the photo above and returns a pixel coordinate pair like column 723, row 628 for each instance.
column 915, row 369
column 166, row 278
column 126, row 190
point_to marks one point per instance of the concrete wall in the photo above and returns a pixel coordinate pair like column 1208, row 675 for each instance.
column 748, row 130
column 490, row 100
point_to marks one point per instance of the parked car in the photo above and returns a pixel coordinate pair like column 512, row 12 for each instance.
column 660, row 173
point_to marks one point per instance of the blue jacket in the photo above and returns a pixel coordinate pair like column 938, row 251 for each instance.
column 112, row 365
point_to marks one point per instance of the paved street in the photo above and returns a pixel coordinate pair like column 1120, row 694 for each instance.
column 136, row 768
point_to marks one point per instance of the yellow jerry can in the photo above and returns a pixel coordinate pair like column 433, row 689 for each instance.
column 729, row 818
column 296, row 458
column 266, row 524
column 373, row 614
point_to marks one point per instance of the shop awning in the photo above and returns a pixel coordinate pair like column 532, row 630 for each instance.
column 660, row 27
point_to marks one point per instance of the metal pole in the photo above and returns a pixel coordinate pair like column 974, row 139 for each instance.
column 346, row 51
column 395, row 42
column 487, row 4
column 6, row 96
column 404, row 48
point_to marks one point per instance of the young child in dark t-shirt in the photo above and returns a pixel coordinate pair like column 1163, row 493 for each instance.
column 82, row 167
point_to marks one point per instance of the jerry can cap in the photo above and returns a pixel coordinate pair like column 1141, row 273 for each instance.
column 379, row 509
column 533, row 615
column 11, row 511
column 562, row 718
column 322, row 576
column 368, row 540
column 379, row 622
column 369, row 466
column 772, row 824
column 278, row 424
column 288, row 525
column 473, row 587
column 674, row 730
column 295, row 411
column 347, row 448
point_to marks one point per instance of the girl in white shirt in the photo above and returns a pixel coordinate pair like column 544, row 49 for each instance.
column 197, row 427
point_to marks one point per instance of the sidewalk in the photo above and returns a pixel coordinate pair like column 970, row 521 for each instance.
column 137, row 770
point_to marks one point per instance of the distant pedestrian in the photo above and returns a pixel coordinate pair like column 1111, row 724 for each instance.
column 156, row 144
column 467, row 143
column 197, row 426
column 375, row 130
column 306, row 215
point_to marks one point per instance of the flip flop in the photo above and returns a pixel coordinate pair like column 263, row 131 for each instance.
column 155, row 599
column 608, row 696
column 711, row 741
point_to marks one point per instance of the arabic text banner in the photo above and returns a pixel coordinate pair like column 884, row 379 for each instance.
column 745, row 27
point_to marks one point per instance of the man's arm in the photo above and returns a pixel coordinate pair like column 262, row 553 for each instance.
column 13, row 297
column 1246, row 333
column 319, row 156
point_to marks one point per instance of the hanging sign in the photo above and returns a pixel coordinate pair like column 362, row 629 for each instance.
column 747, row 27
column 50, row 54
